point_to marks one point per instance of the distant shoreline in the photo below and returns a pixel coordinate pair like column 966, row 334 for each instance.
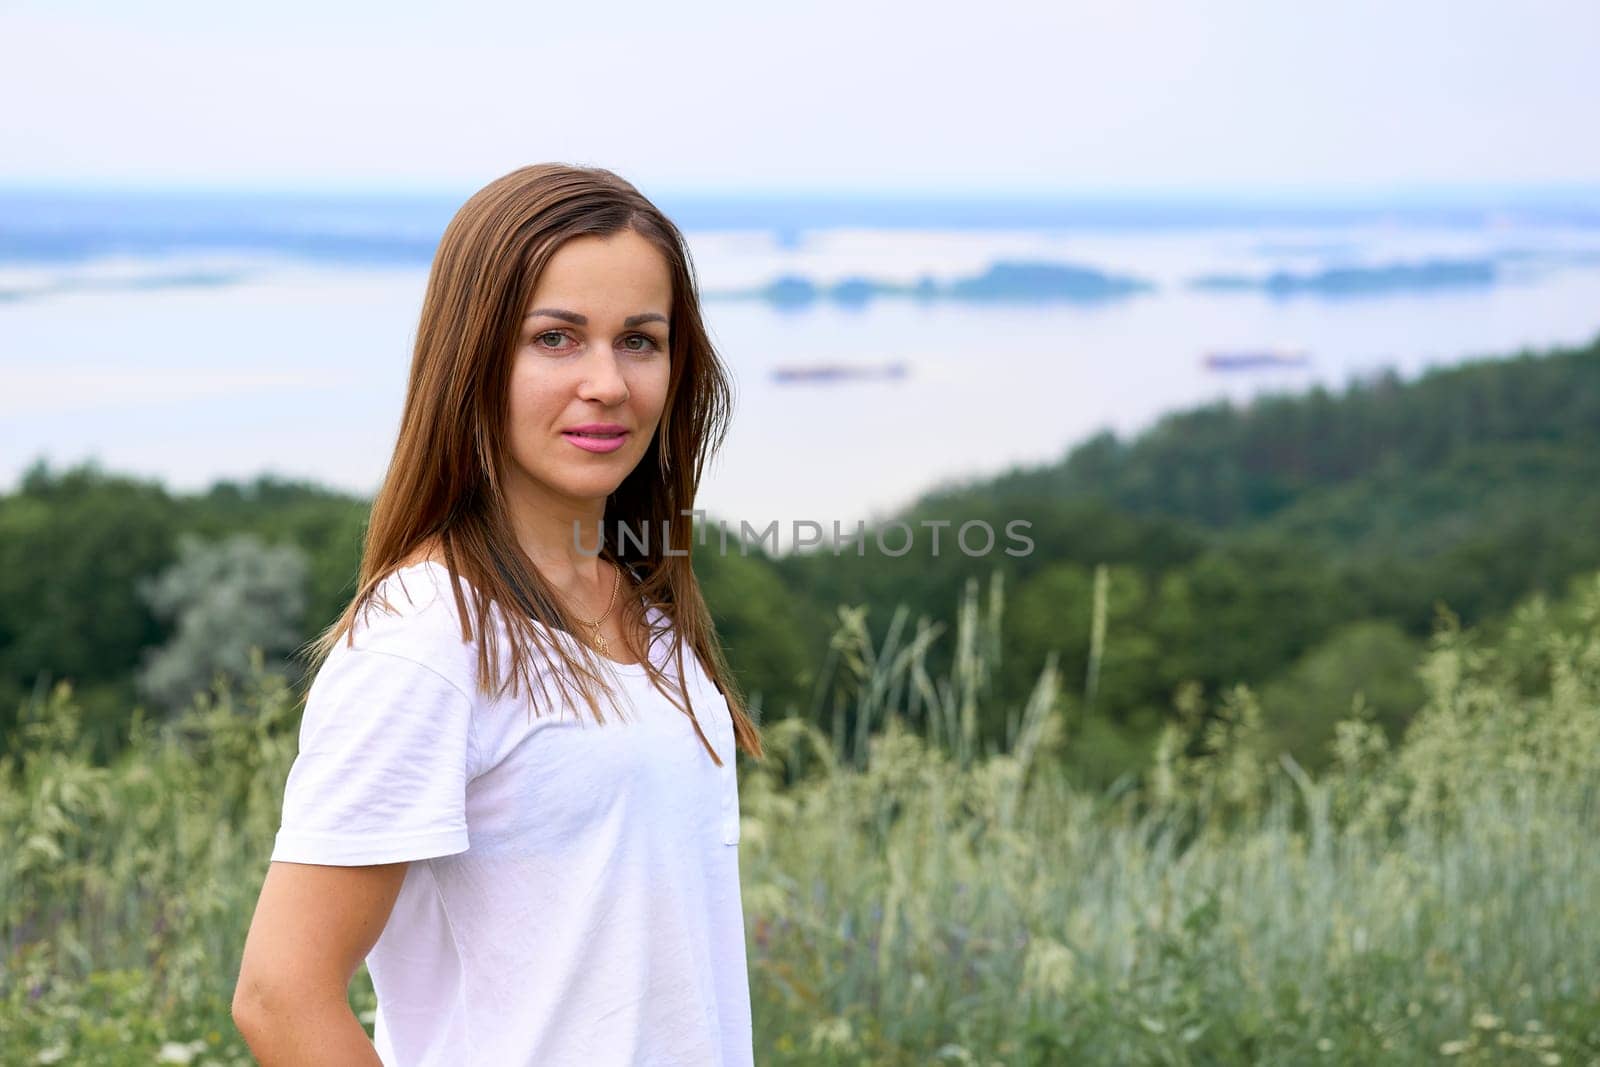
column 41, row 224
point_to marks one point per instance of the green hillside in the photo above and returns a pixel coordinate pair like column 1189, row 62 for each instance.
column 1303, row 544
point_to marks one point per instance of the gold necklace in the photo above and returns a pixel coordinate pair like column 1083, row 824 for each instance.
column 598, row 639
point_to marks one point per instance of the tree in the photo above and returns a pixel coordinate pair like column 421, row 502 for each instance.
column 223, row 598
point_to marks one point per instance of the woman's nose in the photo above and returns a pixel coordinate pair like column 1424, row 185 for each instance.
column 603, row 380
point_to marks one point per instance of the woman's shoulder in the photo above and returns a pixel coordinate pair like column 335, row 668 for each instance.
column 411, row 613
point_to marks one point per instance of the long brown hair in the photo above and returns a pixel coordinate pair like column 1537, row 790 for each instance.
column 443, row 488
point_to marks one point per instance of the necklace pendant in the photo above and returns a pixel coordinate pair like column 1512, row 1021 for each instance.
column 600, row 642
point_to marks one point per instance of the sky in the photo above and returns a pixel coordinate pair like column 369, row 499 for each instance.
column 1049, row 98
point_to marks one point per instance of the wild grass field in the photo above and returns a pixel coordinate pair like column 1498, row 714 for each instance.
column 915, row 896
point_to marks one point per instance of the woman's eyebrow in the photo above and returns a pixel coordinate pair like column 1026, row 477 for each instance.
column 583, row 320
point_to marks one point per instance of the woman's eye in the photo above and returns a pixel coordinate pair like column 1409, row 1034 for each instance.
column 554, row 338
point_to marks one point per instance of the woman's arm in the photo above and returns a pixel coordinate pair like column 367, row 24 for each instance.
column 313, row 926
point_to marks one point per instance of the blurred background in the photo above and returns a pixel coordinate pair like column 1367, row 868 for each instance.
column 1279, row 325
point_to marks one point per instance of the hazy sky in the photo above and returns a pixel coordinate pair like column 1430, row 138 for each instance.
column 1054, row 97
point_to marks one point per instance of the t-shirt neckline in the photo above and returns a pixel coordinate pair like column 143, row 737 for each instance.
column 620, row 668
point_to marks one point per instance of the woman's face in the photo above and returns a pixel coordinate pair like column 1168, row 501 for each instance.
column 590, row 371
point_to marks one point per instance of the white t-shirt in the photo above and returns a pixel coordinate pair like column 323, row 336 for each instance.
column 574, row 891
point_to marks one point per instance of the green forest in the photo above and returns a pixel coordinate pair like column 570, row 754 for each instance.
column 1303, row 545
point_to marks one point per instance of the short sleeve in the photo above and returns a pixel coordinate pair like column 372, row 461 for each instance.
column 385, row 756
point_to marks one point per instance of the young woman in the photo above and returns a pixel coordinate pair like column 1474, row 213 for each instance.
column 515, row 794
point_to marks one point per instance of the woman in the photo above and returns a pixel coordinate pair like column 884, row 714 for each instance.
column 515, row 793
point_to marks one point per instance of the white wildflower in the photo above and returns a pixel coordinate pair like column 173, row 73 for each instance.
column 1048, row 967
column 832, row 1034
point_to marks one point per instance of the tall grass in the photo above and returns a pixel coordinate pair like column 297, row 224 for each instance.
column 914, row 894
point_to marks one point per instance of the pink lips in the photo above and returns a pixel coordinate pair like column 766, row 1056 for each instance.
column 597, row 436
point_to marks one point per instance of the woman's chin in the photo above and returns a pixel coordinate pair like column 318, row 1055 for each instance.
column 592, row 487
column 595, row 484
